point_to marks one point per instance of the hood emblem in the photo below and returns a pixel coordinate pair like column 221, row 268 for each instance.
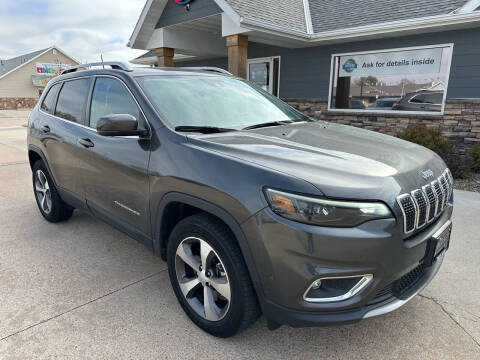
column 427, row 174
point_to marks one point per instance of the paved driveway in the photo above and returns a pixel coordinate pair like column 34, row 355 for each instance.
column 81, row 289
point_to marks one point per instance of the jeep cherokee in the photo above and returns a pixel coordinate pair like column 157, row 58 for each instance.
column 257, row 208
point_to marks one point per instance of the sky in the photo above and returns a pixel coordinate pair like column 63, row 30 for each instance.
column 82, row 29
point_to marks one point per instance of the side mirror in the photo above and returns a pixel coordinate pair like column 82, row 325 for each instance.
column 119, row 125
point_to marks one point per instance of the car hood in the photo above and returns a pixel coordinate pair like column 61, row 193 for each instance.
column 341, row 161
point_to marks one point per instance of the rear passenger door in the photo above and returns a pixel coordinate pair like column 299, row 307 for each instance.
column 61, row 120
column 115, row 169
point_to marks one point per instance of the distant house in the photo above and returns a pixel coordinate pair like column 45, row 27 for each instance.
column 23, row 78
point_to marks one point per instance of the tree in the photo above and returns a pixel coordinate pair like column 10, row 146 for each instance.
column 366, row 81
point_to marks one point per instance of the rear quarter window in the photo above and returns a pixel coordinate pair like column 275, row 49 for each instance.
column 72, row 100
column 48, row 104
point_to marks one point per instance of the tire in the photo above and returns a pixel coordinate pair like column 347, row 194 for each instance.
column 51, row 206
column 223, row 266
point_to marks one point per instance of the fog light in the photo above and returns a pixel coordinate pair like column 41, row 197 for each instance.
column 332, row 289
column 317, row 284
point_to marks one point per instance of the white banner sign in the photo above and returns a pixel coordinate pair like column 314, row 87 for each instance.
column 423, row 61
column 50, row 68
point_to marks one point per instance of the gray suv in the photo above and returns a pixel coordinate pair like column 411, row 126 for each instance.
column 257, row 208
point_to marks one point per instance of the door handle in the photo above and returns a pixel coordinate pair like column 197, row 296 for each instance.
column 45, row 128
column 86, row 142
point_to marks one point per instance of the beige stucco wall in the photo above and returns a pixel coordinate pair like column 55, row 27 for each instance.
column 18, row 84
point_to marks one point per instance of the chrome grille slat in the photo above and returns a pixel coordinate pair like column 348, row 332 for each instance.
column 409, row 212
column 432, row 200
column 438, row 189
column 422, row 206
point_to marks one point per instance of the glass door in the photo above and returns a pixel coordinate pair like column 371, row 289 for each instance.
column 265, row 72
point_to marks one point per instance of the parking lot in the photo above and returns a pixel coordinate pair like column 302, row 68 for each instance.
column 81, row 289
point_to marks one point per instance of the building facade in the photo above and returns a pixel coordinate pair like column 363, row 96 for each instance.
column 380, row 65
column 23, row 78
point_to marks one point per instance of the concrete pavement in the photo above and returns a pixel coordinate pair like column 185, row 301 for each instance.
column 83, row 290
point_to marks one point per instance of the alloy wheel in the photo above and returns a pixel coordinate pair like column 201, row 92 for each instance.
column 42, row 191
column 203, row 279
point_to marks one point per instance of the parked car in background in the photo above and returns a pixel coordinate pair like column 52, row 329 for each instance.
column 352, row 104
column 424, row 100
column 384, row 104
column 256, row 207
column 356, row 104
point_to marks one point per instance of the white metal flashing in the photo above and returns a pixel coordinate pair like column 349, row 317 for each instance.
column 308, row 16
column 470, row 6
column 140, row 22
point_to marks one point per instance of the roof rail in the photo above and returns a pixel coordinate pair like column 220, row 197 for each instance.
column 208, row 68
column 113, row 64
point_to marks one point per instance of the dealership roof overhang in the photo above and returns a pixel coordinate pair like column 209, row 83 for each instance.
column 297, row 23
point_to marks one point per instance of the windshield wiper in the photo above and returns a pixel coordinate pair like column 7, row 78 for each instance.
column 202, row 129
column 267, row 124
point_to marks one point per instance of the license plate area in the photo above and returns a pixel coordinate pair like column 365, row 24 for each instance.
column 438, row 243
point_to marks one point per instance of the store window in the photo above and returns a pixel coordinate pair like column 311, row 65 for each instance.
column 413, row 80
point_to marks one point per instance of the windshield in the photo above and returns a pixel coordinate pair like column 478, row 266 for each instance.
column 215, row 101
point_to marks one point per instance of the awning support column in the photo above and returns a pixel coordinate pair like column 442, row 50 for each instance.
column 165, row 56
column 237, row 54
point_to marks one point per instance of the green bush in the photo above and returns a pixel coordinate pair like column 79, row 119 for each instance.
column 474, row 155
column 434, row 140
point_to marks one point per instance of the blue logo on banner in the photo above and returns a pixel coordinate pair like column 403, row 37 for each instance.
column 350, row 65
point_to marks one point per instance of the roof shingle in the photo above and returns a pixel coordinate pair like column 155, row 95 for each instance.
column 328, row 15
column 10, row 64
column 285, row 13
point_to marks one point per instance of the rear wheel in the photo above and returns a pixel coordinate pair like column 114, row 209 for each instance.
column 52, row 207
column 209, row 276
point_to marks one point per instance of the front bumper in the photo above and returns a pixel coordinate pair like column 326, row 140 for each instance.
column 289, row 256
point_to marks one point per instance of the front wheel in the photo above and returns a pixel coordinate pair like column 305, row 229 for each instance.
column 209, row 276
column 52, row 207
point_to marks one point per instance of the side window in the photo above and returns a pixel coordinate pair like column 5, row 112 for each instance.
column 48, row 104
column 437, row 98
column 110, row 97
column 72, row 100
column 418, row 99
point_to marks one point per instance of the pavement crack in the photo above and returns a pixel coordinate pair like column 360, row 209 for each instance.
column 84, row 304
column 15, row 163
column 450, row 316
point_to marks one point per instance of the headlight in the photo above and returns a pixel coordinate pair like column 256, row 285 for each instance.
column 323, row 212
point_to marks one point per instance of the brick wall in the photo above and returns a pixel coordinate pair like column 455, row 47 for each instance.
column 17, row 103
column 460, row 123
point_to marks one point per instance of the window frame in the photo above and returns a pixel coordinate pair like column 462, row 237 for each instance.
column 141, row 121
column 396, row 112
column 84, row 119
column 88, row 103
column 271, row 60
column 55, row 98
column 424, row 103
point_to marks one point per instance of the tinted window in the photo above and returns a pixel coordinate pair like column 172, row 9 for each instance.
column 109, row 97
column 48, row 103
column 435, row 98
column 418, row 99
column 72, row 100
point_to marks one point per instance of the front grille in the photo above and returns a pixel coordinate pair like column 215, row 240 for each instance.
column 422, row 206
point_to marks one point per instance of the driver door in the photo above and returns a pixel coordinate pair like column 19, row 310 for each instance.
column 115, row 168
